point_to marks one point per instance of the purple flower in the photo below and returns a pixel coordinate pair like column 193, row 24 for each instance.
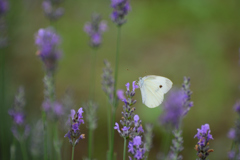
column 139, row 154
column 231, row 154
column 72, row 113
column 203, row 136
column 134, row 85
column 46, row 105
column 95, row 29
column 127, row 85
column 58, row 109
column 47, row 41
column 51, row 12
column 4, row 6
column 19, row 129
column 204, row 132
column 120, row 94
column 117, row 127
column 232, row 133
column 137, row 141
column 74, row 132
column 237, row 106
column 130, row 147
column 125, row 129
column 136, row 118
column 173, row 109
column 120, row 10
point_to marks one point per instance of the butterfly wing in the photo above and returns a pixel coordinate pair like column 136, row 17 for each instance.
column 153, row 89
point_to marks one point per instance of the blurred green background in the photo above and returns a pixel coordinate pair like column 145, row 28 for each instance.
column 171, row 38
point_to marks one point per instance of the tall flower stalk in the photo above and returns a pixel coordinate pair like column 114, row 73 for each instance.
column 120, row 10
column 20, row 128
column 48, row 41
column 4, row 7
column 94, row 29
column 176, row 106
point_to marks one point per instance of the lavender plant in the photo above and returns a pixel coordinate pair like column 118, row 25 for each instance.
column 176, row 107
column 120, row 10
column 94, row 29
column 74, row 135
column 48, row 41
column 148, row 135
column 132, row 128
column 20, row 128
column 202, row 146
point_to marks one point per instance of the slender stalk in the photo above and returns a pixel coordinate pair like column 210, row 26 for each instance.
column 90, row 143
column 44, row 134
column 114, row 92
column 73, row 149
column 166, row 143
column 3, row 103
column 24, row 150
column 124, row 148
column 112, row 137
column 109, row 125
column 57, row 144
column 93, row 74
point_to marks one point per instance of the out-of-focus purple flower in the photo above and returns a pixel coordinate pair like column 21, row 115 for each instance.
column 173, row 109
column 95, row 29
column 51, row 11
column 237, row 107
column 177, row 105
column 120, row 10
column 130, row 147
column 4, row 6
column 19, row 129
column 48, row 41
column 232, row 133
column 127, row 85
column 231, row 155
column 203, row 136
column 74, row 132
column 58, row 109
column 120, row 94
column 46, row 106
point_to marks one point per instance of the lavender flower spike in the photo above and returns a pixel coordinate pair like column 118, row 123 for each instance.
column 20, row 128
column 202, row 147
column 48, row 41
column 95, row 29
column 74, row 134
column 51, row 11
column 120, row 10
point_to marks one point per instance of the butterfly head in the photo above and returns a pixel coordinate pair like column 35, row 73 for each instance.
column 140, row 82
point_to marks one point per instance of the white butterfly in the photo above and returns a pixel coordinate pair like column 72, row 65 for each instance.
column 153, row 89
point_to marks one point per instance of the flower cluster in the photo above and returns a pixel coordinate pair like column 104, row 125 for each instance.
column 120, row 10
column 20, row 129
column 136, row 148
column 95, row 29
column 177, row 146
column 203, row 136
column 51, row 10
column 177, row 105
column 91, row 114
column 48, row 41
column 148, row 137
column 74, row 134
column 128, row 114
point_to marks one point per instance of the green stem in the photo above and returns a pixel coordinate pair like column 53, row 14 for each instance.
column 109, row 125
column 44, row 134
column 124, row 148
column 166, row 143
column 73, row 149
column 93, row 74
column 23, row 149
column 112, row 138
column 3, row 103
column 114, row 92
column 116, row 64
column 90, row 143
column 57, row 144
